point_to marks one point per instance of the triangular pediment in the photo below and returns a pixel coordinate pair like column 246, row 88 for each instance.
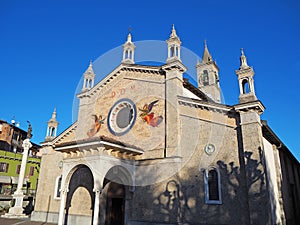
column 118, row 73
column 128, row 105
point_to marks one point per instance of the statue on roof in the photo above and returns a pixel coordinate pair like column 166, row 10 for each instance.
column 29, row 131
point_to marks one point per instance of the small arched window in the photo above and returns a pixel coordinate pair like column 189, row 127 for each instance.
column 57, row 187
column 205, row 80
column 90, row 83
column 131, row 55
column 172, row 51
column 86, row 83
column 245, row 85
column 212, row 184
column 51, row 131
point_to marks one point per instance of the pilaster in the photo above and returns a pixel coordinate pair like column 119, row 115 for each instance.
column 252, row 156
column 84, row 102
column 173, row 88
column 63, row 195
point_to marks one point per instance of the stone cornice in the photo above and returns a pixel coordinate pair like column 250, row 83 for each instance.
column 106, row 142
column 244, row 70
column 176, row 64
column 116, row 72
column 254, row 105
column 143, row 69
column 207, row 64
column 102, row 83
column 204, row 104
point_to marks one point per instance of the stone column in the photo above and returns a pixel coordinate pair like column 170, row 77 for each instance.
column 98, row 192
column 17, row 210
column 63, row 194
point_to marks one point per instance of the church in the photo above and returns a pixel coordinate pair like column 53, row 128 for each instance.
column 151, row 148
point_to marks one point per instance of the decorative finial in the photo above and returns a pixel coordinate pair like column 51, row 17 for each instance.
column 242, row 51
column 129, row 34
column 90, row 67
column 205, row 45
column 54, row 113
column 243, row 60
column 173, row 33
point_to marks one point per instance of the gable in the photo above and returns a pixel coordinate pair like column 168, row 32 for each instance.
column 67, row 135
column 117, row 108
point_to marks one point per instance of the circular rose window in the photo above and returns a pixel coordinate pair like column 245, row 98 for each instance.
column 121, row 117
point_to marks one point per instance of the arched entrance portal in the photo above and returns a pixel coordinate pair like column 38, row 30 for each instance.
column 80, row 198
column 115, row 203
column 115, row 194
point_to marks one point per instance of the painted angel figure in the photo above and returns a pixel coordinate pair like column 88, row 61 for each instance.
column 97, row 125
column 149, row 116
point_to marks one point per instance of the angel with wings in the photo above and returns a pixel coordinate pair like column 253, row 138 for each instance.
column 149, row 116
column 96, row 126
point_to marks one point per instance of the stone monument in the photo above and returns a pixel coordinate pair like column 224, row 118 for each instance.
column 17, row 210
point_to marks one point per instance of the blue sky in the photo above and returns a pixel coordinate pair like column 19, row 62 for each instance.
column 45, row 47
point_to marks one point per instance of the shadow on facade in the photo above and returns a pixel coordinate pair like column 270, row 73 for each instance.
column 245, row 188
column 182, row 200
column 48, row 208
column 114, row 195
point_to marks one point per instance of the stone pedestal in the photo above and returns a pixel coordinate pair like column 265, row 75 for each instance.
column 17, row 210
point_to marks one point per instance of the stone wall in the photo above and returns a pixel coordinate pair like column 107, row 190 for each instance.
column 181, row 197
column 46, row 204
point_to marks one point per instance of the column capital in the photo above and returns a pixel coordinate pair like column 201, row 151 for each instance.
column 97, row 190
column 64, row 190
column 26, row 144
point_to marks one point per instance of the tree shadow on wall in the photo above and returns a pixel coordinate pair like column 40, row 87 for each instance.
column 170, row 201
column 182, row 199
column 244, row 188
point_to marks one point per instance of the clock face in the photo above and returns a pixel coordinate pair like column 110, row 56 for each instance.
column 209, row 149
column 121, row 117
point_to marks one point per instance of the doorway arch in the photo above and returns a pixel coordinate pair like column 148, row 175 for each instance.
column 81, row 181
column 115, row 203
column 116, row 185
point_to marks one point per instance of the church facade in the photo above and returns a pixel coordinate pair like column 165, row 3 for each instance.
column 150, row 148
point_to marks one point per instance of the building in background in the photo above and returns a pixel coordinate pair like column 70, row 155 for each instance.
column 151, row 148
column 11, row 139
